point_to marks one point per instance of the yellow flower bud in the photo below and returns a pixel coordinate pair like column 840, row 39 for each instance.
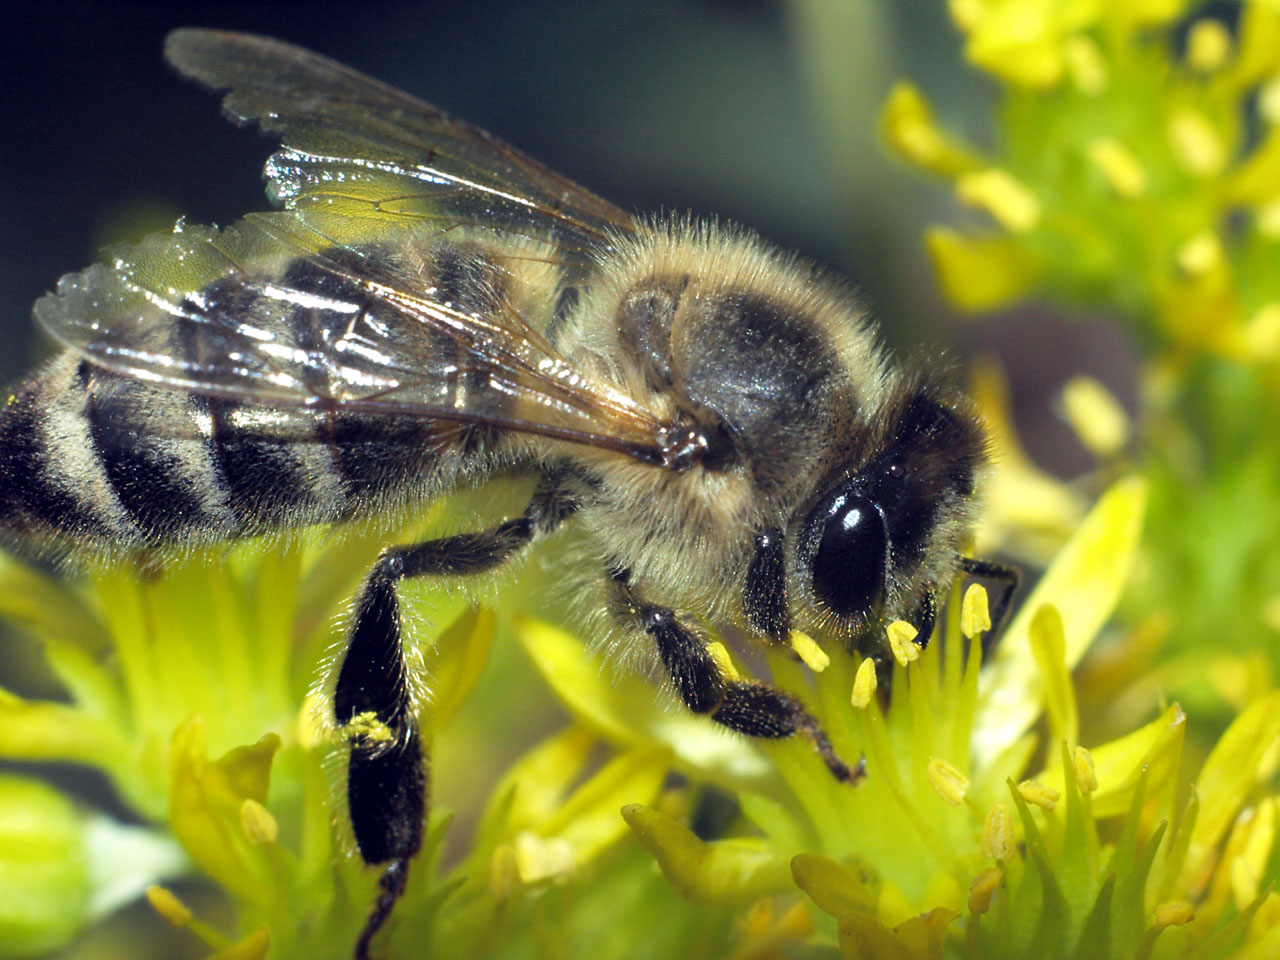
column 951, row 784
column 1261, row 335
column 980, row 272
column 1196, row 143
column 1269, row 219
column 808, row 650
column 998, row 841
column 166, row 903
column 909, row 129
column 983, row 888
column 313, row 728
column 504, row 874
column 1208, row 45
column 543, row 858
column 1012, row 204
column 1085, row 64
column 1086, row 774
column 1095, row 415
column 1248, row 869
column 1122, row 170
column 975, row 612
column 1199, row 255
column 967, row 14
column 1037, row 793
column 720, row 654
column 257, row 822
column 1269, row 100
column 902, row 637
column 1174, row 914
column 864, row 684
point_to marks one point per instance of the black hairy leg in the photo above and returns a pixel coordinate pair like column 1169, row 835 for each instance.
column 924, row 618
column 373, row 706
column 747, row 706
column 764, row 595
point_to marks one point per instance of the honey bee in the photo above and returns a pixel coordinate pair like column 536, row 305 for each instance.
column 427, row 308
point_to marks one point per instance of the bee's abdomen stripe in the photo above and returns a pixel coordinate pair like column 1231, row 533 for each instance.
column 31, row 496
column 378, row 456
column 153, row 477
column 271, row 482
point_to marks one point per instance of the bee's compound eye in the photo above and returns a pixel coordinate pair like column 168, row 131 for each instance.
column 850, row 564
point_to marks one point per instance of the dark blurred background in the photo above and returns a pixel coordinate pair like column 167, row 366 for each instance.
column 760, row 112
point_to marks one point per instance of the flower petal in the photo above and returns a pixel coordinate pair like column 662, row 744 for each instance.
column 1084, row 583
column 980, row 273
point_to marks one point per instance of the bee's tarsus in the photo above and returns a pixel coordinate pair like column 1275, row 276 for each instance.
column 925, row 618
column 391, row 888
column 746, row 706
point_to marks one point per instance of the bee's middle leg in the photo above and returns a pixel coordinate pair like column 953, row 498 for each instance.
column 747, row 706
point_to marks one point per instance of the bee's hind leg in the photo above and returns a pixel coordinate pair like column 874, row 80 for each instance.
column 386, row 772
column 747, row 706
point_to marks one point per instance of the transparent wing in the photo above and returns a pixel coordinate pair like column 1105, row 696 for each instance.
column 357, row 153
column 254, row 312
column 325, row 305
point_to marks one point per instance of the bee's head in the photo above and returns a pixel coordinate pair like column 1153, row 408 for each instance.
column 884, row 532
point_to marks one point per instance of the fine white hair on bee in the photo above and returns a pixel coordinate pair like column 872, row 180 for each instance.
column 427, row 311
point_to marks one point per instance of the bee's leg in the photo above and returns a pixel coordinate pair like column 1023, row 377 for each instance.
column 764, row 594
column 924, row 618
column 1008, row 576
column 749, row 707
column 386, row 775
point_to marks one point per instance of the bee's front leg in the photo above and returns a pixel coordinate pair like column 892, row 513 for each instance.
column 747, row 706
column 373, row 704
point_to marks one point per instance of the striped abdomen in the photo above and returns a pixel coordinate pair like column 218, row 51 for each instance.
column 104, row 461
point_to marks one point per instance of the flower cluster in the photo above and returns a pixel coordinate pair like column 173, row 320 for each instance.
column 1127, row 177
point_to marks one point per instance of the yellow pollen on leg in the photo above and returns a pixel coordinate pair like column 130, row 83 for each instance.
column 368, row 726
